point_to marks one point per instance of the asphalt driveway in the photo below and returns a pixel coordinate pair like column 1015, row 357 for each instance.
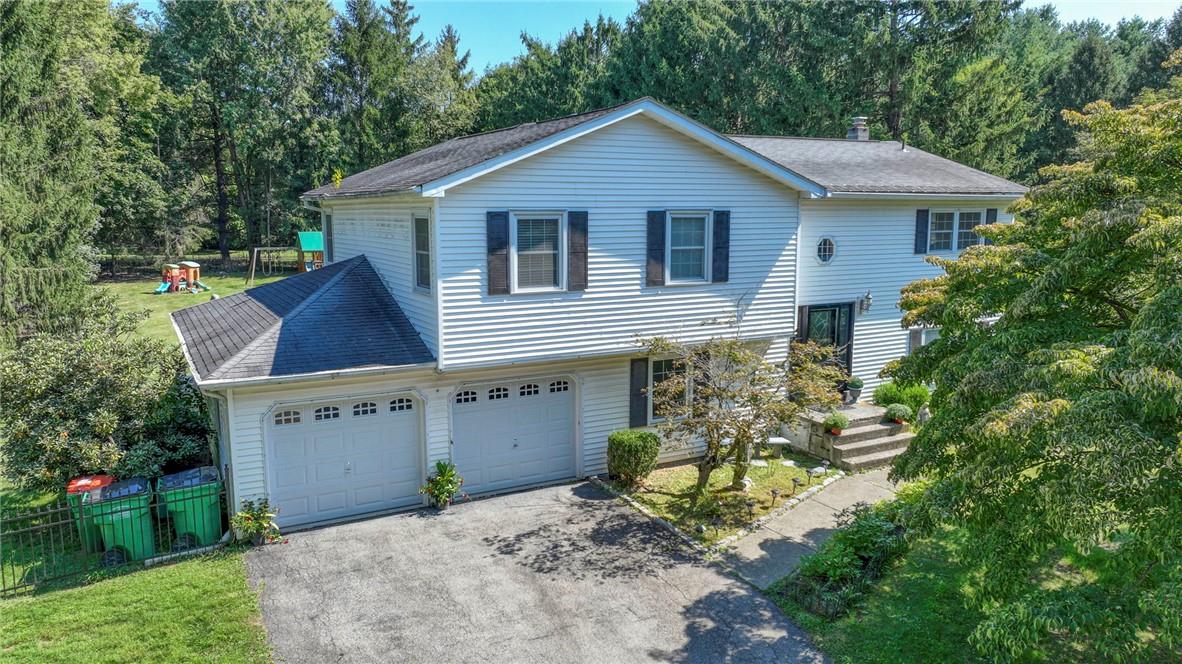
column 561, row 574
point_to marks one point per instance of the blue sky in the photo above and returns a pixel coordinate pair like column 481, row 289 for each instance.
column 491, row 30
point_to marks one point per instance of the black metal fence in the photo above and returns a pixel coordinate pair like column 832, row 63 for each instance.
column 76, row 541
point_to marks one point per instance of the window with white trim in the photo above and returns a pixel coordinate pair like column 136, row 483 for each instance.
column 467, row 396
column 538, row 240
column 687, row 247
column 365, row 408
column 326, row 413
column 660, row 370
column 498, row 393
column 287, row 417
column 559, row 386
column 422, row 238
column 400, row 404
column 826, row 249
column 528, row 390
column 950, row 230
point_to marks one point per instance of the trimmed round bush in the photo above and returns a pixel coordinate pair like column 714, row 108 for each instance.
column 632, row 455
column 835, row 420
column 900, row 412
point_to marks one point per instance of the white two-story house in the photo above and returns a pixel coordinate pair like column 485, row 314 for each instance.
column 482, row 299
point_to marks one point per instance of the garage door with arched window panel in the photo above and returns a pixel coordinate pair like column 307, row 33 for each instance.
column 339, row 459
column 514, row 434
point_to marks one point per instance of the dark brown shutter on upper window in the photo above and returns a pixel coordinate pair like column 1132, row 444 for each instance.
column 921, row 231
column 720, row 261
column 328, row 255
column 990, row 218
column 497, row 231
column 576, row 251
column 654, row 272
column 637, row 393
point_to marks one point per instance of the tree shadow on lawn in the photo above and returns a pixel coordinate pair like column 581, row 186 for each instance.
column 597, row 539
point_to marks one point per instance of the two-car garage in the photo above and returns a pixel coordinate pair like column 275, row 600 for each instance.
column 333, row 460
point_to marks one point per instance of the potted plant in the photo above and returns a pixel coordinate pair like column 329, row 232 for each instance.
column 853, row 388
column 835, row 422
column 898, row 413
column 255, row 522
column 442, row 487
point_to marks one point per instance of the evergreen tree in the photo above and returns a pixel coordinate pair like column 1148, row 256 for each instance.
column 440, row 87
column 1150, row 71
column 1090, row 75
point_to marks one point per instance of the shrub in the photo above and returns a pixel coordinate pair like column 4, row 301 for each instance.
column 100, row 399
column 255, row 522
column 442, row 487
column 632, row 455
column 855, row 383
column 913, row 396
column 835, row 420
column 830, row 581
column 899, row 412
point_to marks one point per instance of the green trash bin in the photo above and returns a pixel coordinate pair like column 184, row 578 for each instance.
column 122, row 511
column 194, row 502
column 88, row 532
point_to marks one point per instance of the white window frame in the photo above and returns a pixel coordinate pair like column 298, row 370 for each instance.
column 707, row 257
column 817, row 245
column 956, row 212
column 415, row 218
column 514, row 218
column 652, row 419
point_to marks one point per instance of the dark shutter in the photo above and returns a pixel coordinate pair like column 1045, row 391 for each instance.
column 921, row 231
column 328, row 255
column 990, row 218
column 914, row 339
column 576, row 251
column 720, row 261
column 654, row 271
column 802, row 322
column 638, row 393
column 497, row 232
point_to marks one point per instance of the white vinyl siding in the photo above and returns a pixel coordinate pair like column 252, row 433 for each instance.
column 385, row 231
column 616, row 174
column 875, row 241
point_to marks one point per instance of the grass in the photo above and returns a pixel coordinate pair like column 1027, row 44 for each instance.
column 916, row 613
column 136, row 294
column 200, row 610
column 668, row 492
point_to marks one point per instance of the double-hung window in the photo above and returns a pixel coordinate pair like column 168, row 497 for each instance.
column 539, row 247
column 954, row 229
column 687, row 250
column 422, row 238
column 660, row 371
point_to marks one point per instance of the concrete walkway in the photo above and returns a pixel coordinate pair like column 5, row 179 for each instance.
column 773, row 552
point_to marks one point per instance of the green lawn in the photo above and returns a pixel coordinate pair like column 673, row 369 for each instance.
column 201, row 610
column 668, row 492
column 916, row 613
column 136, row 294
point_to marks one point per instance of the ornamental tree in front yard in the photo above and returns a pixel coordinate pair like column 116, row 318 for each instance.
column 98, row 399
column 1055, row 430
column 726, row 395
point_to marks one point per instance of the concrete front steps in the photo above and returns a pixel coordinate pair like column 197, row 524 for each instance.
column 868, row 441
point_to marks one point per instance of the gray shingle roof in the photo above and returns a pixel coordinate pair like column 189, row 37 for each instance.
column 449, row 157
column 842, row 165
column 338, row 317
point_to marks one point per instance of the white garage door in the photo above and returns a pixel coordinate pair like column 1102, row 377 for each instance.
column 514, row 434
column 333, row 460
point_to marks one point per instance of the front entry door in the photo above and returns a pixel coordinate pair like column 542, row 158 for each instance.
column 831, row 324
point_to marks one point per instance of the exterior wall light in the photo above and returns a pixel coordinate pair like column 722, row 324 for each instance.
column 864, row 302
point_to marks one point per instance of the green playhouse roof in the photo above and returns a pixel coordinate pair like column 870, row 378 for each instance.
column 311, row 241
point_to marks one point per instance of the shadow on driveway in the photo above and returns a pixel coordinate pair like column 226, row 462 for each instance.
column 560, row 574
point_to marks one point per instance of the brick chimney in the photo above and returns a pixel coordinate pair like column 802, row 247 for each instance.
column 858, row 131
